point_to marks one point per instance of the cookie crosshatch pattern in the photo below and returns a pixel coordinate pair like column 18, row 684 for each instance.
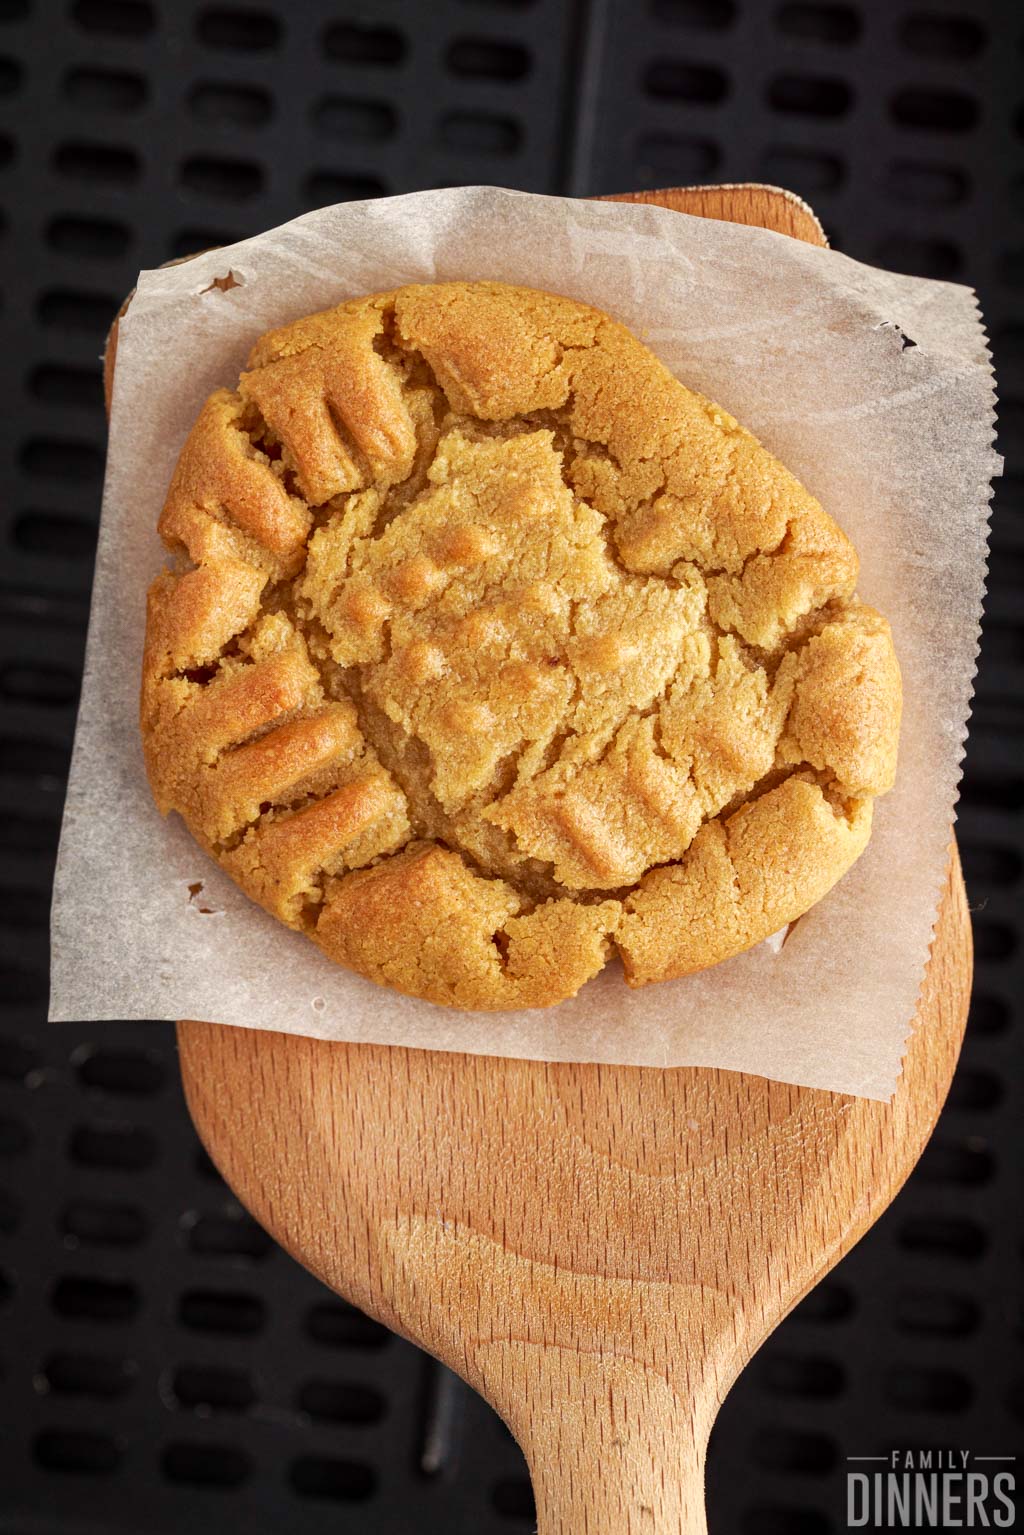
column 162, row 1365
column 501, row 650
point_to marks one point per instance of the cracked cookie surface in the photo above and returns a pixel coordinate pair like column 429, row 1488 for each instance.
column 494, row 649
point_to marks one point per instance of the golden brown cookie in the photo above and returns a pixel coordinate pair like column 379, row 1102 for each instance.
column 494, row 649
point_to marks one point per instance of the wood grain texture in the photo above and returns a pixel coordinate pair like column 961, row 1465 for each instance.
column 598, row 1250
column 765, row 207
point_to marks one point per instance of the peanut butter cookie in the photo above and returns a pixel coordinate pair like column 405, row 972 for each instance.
column 493, row 649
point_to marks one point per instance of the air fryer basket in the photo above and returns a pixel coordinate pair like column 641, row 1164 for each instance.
column 163, row 1366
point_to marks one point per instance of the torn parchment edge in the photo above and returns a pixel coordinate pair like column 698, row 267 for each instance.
column 986, row 492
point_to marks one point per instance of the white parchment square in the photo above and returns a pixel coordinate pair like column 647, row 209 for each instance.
column 810, row 350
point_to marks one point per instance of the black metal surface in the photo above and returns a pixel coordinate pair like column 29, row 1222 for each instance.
column 162, row 1366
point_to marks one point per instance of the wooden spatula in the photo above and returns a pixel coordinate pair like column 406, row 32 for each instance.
column 598, row 1250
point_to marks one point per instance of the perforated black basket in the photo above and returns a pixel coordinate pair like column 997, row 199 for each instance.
column 163, row 1366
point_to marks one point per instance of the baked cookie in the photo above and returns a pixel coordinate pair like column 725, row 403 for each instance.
column 494, row 649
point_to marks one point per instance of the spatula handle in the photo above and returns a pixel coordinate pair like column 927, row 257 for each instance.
column 612, row 1449
column 641, row 1495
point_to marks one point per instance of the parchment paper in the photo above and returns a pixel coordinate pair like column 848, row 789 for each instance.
column 874, row 389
